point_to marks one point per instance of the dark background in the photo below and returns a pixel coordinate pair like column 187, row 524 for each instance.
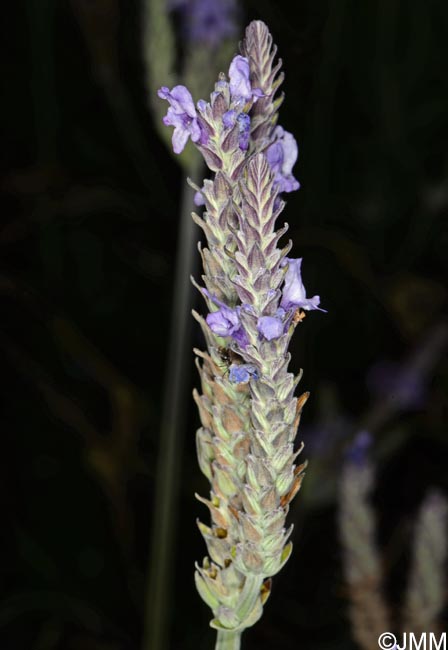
column 89, row 216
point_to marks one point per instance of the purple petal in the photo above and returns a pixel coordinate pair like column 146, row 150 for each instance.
column 274, row 155
column 244, row 130
column 182, row 101
column 270, row 327
column 195, row 131
column 172, row 118
column 242, row 373
column 226, row 321
column 282, row 155
column 179, row 139
column 294, row 294
column 182, row 115
column 229, row 118
column 223, row 322
column 240, row 87
column 290, row 150
column 239, row 335
column 198, row 199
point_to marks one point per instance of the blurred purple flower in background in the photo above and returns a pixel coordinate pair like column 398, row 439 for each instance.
column 357, row 452
column 207, row 21
column 329, row 432
column 401, row 383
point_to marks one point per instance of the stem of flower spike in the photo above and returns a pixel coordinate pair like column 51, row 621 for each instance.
column 162, row 554
column 228, row 641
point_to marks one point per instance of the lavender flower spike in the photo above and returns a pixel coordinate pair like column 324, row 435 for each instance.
column 425, row 596
column 182, row 115
column 248, row 410
column 369, row 613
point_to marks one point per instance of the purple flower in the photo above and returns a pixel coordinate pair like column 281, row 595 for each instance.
column 242, row 373
column 294, row 294
column 240, row 86
column 226, row 322
column 198, row 199
column 207, row 21
column 229, row 118
column 182, row 115
column 244, row 129
column 271, row 327
column 282, row 156
column 241, row 90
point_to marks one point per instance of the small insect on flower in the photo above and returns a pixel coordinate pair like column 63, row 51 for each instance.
column 229, row 356
column 230, row 359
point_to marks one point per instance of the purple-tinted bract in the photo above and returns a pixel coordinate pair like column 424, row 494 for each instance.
column 282, row 156
column 182, row 115
column 294, row 294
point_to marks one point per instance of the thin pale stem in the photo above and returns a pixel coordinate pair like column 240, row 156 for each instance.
column 162, row 552
column 130, row 129
column 228, row 641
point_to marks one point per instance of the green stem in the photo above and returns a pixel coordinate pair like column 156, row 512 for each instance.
column 228, row 641
column 163, row 552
